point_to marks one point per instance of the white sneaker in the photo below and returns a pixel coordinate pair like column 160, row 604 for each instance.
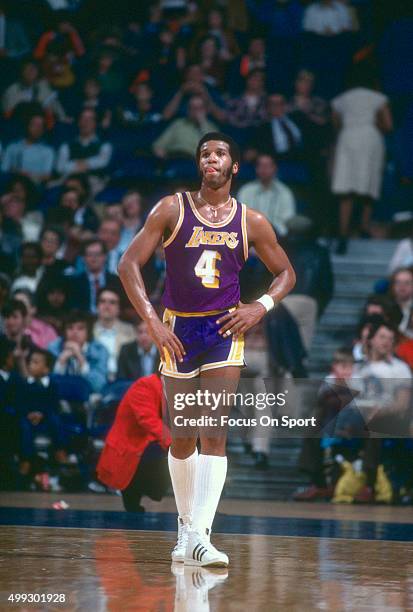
column 202, row 553
column 178, row 553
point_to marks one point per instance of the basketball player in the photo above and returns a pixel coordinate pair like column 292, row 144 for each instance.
column 206, row 235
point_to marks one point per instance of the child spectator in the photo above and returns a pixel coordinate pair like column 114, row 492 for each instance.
column 37, row 406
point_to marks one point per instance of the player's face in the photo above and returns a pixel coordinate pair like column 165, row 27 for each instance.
column 215, row 163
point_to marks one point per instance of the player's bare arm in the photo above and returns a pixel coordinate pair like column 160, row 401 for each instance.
column 160, row 223
column 262, row 237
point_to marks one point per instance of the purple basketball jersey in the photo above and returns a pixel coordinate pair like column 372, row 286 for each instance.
column 203, row 259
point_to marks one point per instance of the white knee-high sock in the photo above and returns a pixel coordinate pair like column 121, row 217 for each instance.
column 183, row 474
column 210, row 479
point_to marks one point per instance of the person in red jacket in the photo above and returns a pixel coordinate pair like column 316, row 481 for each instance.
column 134, row 458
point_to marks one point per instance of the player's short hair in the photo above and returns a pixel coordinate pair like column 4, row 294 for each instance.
column 343, row 355
column 233, row 147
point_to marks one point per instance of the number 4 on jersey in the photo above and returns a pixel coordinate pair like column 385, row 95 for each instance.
column 206, row 270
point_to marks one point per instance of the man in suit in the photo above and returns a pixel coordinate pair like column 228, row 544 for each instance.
column 279, row 136
column 110, row 232
column 109, row 330
column 86, row 286
column 140, row 357
column 134, row 458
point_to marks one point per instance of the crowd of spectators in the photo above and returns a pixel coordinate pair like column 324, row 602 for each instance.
column 364, row 408
column 102, row 108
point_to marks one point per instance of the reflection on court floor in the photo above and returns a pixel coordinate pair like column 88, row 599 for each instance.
column 116, row 569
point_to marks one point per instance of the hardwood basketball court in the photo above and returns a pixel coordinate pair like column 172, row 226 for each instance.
column 283, row 557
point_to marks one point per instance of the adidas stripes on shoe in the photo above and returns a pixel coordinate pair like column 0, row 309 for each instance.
column 200, row 552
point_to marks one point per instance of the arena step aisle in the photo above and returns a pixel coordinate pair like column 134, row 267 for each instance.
column 355, row 275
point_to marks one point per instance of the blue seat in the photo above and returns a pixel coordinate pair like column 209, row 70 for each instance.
column 72, row 388
column 114, row 392
column 104, row 413
column 63, row 132
column 246, row 172
column 111, row 194
column 180, row 169
column 294, row 172
column 139, row 168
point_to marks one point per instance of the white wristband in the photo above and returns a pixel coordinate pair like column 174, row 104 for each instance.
column 267, row 301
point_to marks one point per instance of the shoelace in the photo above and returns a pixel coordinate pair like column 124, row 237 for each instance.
column 182, row 536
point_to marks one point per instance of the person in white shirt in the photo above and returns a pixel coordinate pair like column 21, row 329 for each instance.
column 30, row 87
column 109, row 330
column 327, row 18
column 384, row 384
column 87, row 153
column 269, row 195
column 403, row 255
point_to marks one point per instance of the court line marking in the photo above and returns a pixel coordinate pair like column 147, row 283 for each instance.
column 316, row 528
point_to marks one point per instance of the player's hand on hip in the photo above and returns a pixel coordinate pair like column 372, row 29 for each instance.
column 165, row 339
column 242, row 319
